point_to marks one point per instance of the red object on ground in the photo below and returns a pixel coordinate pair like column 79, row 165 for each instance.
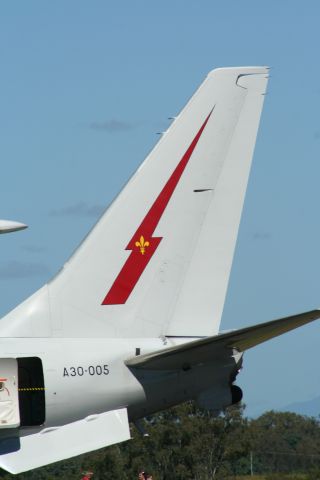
column 87, row 475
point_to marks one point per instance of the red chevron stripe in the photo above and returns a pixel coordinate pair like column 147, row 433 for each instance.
column 137, row 261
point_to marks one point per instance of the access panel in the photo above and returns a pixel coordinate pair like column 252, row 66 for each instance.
column 31, row 391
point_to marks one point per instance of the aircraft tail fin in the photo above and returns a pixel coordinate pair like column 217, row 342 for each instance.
column 158, row 261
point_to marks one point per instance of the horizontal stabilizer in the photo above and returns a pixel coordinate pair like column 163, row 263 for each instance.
column 58, row 443
column 208, row 349
column 7, row 226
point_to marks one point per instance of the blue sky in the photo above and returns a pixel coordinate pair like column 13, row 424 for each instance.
column 85, row 86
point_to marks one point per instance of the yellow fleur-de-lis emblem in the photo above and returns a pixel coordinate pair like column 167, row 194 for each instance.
column 142, row 244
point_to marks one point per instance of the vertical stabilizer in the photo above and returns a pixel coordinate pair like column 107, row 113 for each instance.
column 158, row 261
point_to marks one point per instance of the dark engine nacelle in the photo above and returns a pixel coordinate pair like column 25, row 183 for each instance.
column 236, row 394
column 217, row 399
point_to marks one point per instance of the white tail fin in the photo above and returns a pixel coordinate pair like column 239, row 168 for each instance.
column 158, row 262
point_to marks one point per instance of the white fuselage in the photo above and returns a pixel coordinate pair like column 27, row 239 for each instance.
column 83, row 377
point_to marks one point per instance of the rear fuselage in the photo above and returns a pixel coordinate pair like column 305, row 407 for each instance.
column 82, row 377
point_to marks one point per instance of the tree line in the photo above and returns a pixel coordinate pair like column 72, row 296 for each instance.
column 188, row 443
